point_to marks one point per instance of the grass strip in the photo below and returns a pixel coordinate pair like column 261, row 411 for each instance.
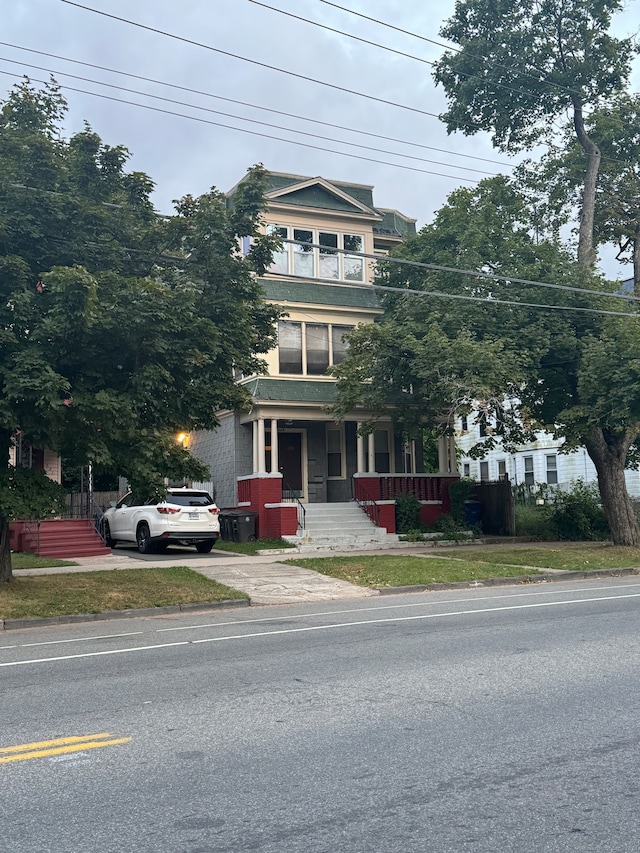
column 94, row 592
column 252, row 547
column 568, row 557
column 381, row 571
column 32, row 561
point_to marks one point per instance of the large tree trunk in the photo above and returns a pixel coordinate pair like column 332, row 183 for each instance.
column 609, row 458
column 586, row 253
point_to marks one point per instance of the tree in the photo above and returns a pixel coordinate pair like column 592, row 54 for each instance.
column 571, row 371
column 523, row 64
column 119, row 327
column 556, row 180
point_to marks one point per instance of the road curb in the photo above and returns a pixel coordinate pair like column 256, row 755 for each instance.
column 106, row 615
column 522, row 579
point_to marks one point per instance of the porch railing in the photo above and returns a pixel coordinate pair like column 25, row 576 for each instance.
column 366, row 503
column 425, row 487
column 290, row 495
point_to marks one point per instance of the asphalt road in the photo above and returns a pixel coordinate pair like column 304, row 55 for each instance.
column 483, row 720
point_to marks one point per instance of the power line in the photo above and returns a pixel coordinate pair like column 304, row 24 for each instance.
column 465, row 298
column 254, row 106
column 255, row 132
column 251, row 61
column 473, row 273
column 242, row 118
column 451, row 48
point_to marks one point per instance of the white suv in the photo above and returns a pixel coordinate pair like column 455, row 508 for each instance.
column 184, row 516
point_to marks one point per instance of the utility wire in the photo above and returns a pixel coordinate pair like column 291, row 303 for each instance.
column 473, row 273
column 251, row 61
column 254, row 106
column 465, row 298
column 243, row 118
column 255, row 132
column 453, row 49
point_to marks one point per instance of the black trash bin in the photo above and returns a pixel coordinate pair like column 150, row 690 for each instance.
column 238, row 525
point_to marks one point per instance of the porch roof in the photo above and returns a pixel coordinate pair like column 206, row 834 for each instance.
column 292, row 390
column 319, row 293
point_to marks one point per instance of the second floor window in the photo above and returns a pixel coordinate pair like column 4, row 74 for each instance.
column 310, row 348
column 303, row 260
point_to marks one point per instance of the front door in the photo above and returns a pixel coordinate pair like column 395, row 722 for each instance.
column 290, row 462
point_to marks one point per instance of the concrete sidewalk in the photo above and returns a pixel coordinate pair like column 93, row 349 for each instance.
column 262, row 577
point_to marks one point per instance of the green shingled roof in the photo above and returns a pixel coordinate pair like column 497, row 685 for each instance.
column 292, row 390
column 314, row 292
column 395, row 224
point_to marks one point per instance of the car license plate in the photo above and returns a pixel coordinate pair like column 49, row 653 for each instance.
column 194, row 515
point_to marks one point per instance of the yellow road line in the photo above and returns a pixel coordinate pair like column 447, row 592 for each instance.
column 61, row 741
column 80, row 745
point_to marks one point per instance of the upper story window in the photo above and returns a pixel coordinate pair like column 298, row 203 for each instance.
column 303, row 259
column 309, row 348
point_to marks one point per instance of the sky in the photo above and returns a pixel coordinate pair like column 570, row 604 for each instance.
column 231, row 49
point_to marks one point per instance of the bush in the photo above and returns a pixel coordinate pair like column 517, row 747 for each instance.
column 533, row 521
column 460, row 491
column 578, row 514
column 407, row 512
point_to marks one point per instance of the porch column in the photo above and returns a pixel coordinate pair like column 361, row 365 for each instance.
column 254, row 435
column 371, row 452
column 443, row 455
column 274, row 446
column 360, row 450
column 261, row 465
column 453, row 461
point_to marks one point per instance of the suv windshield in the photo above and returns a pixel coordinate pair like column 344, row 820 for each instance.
column 189, row 498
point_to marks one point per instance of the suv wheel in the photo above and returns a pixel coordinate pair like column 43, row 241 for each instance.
column 143, row 540
column 204, row 547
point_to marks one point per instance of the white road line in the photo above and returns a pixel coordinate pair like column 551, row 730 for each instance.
column 421, row 603
column 328, row 627
column 79, row 639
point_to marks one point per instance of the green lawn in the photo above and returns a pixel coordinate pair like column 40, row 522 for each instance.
column 94, row 592
column 32, row 561
column 556, row 555
column 470, row 564
column 252, row 547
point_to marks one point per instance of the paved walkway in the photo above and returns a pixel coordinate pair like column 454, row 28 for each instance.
column 263, row 578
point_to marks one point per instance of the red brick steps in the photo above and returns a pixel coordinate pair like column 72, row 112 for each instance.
column 63, row 537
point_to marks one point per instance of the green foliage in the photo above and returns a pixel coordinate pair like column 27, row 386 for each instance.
column 407, row 511
column 533, row 521
column 577, row 514
column 27, row 493
column 460, row 491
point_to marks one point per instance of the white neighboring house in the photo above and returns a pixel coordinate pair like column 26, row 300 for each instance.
column 537, row 462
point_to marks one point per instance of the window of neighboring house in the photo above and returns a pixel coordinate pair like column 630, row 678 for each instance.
column 326, row 262
column 317, row 347
column 483, row 427
column 335, row 453
column 381, row 450
column 484, row 470
column 409, row 457
column 319, row 343
column 466, row 469
column 290, row 347
column 502, row 468
column 464, row 424
column 552, row 469
column 528, row 470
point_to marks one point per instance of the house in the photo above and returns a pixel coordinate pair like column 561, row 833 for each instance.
column 536, row 463
column 289, row 454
